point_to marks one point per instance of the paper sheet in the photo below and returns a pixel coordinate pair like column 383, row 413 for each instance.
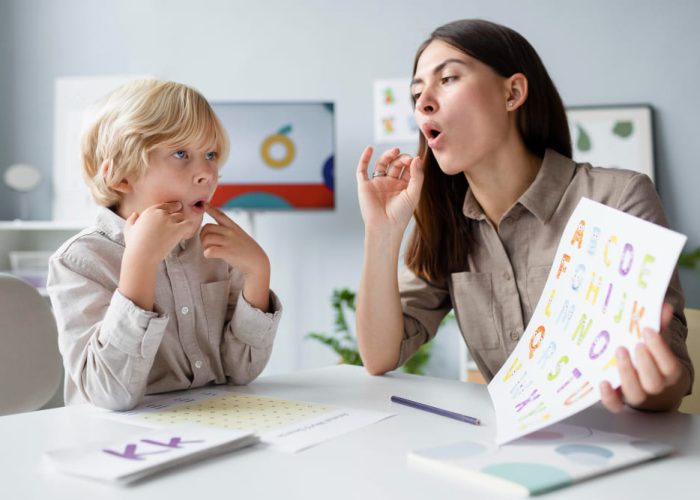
column 285, row 425
column 148, row 452
column 540, row 462
column 607, row 283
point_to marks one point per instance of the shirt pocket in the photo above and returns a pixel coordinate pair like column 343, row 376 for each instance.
column 215, row 300
column 473, row 303
column 536, row 279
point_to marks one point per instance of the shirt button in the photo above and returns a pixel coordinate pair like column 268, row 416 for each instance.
column 506, row 275
column 514, row 335
column 185, row 310
column 198, row 364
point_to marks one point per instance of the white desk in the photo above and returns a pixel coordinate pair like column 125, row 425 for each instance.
column 366, row 464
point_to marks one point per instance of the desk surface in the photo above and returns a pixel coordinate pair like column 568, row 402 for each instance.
column 369, row 463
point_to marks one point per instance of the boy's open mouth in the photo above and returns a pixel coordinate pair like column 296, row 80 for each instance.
column 199, row 204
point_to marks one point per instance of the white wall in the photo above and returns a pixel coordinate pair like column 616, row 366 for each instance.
column 597, row 51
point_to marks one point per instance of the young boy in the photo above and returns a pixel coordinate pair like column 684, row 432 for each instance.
column 145, row 302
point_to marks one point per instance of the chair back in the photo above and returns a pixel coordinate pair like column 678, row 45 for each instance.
column 691, row 403
column 30, row 363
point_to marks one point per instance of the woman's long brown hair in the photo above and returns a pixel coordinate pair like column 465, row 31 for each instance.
column 441, row 240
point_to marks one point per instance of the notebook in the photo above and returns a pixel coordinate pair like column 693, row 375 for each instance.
column 546, row 460
column 147, row 453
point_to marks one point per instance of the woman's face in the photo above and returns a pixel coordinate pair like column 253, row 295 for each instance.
column 460, row 107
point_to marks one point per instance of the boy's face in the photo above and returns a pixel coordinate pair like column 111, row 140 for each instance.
column 188, row 174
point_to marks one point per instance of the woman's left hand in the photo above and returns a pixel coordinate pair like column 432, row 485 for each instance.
column 656, row 383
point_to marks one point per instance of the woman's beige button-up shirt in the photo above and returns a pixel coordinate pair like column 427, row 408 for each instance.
column 494, row 298
column 202, row 330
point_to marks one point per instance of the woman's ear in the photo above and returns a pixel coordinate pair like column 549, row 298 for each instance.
column 516, row 91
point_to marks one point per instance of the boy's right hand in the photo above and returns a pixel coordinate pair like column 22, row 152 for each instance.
column 152, row 234
column 389, row 196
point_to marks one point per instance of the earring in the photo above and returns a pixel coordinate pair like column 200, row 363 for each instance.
column 510, row 104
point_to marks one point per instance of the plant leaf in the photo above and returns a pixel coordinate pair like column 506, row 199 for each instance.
column 583, row 142
column 623, row 129
column 690, row 259
column 416, row 363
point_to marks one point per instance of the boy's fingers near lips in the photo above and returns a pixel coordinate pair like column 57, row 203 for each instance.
column 171, row 207
column 217, row 228
column 214, row 239
column 218, row 215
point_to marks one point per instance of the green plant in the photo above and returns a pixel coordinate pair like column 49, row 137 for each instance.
column 344, row 343
column 690, row 259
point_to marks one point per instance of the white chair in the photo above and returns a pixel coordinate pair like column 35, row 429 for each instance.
column 691, row 404
column 30, row 364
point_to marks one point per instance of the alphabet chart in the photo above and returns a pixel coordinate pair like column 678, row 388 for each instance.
column 607, row 283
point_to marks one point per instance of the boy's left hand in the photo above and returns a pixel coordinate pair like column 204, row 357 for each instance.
column 228, row 242
column 656, row 383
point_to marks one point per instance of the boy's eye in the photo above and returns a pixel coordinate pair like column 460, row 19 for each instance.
column 211, row 155
column 180, row 154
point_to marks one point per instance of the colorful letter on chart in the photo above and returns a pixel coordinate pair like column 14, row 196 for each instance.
column 606, row 284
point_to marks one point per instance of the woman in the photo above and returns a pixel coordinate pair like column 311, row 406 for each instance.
column 491, row 189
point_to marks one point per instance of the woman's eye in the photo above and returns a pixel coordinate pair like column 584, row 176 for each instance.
column 211, row 155
column 181, row 155
column 416, row 96
column 447, row 79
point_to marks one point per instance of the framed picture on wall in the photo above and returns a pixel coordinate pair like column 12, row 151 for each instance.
column 282, row 156
column 613, row 136
column 393, row 112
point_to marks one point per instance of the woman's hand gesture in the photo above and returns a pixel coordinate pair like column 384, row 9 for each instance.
column 390, row 195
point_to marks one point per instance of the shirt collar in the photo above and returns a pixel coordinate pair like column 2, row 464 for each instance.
column 544, row 194
column 112, row 225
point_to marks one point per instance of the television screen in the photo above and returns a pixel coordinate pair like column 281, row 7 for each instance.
column 281, row 157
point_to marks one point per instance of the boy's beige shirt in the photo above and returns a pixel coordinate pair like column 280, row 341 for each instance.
column 201, row 331
column 495, row 296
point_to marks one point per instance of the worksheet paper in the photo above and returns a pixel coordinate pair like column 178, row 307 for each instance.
column 607, row 283
column 147, row 452
column 284, row 425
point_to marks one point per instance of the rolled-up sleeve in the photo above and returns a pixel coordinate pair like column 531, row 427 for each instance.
column 250, row 333
column 424, row 306
column 639, row 198
column 108, row 343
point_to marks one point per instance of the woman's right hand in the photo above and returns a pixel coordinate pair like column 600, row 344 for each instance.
column 387, row 202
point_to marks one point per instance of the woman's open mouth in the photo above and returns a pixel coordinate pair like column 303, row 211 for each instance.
column 432, row 133
column 434, row 138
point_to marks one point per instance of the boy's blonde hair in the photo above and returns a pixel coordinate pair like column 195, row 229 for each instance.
column 135, row 119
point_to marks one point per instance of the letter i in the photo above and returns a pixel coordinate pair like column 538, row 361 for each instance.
column 607, row 298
